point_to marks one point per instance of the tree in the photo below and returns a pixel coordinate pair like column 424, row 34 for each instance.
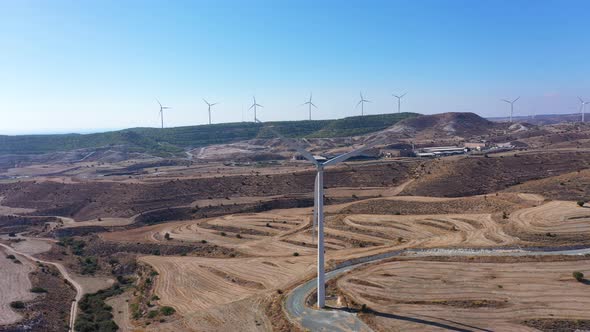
column 167, row 236
column 167, row 311
column 581, row 203
column 579, row 276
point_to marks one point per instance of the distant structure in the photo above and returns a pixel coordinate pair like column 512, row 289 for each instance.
column 310, row 103
column 511, row 106
column 362, row 103
column 255, row 105
column 318, row 219
column 399, row 102
column 209, row 108
column 583, row 107
column 162, row 108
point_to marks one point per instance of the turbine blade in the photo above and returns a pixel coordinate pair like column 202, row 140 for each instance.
column 404, row 95
column 252, row 106
column 259, row 105
column 306, row 154
column 581, row 100
column 158, row 102
column 353, row 153
column 214, row 104
column 508, row 101
column 514, row 101
column 312, row 104
column 206, row 102
column 357, row 105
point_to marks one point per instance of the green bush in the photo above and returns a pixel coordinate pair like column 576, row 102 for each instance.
column 579, row 276
column 153, row 314
column 17, row 304
column 295, row 254
column 167, row 311
column 581, row 203
column 10, row 257
column 38, row 290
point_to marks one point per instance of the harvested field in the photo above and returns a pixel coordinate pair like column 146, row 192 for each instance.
column 430, row 296
column 214, row 293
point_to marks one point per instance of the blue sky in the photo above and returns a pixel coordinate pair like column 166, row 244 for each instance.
column 82, row 65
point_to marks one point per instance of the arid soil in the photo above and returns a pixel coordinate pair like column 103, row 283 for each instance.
column 15, row 285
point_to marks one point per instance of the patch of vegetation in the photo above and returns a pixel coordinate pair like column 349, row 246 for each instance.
column 579, row 276
column 10, row 257
column 580, row 203
column 89, row 265
column 38, row 290
column 167, row 236
column 167, row 311
column 96, row 315
column 77, row 246
column 17, row 304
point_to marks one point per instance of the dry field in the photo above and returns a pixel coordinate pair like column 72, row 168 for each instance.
column 15, row 286
column 436, row 296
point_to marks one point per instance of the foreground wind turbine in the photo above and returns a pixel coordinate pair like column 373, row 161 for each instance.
column 399, row 102
column 254, row 105
column 362, row 103
column 162, row 108
column 583, row 107
column 511, row 106
column 209, row 108
column 310, row 103
column 319, row 203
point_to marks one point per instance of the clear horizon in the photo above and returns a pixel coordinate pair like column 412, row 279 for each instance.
column 95, row 65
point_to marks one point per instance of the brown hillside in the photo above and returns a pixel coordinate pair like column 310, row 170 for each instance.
column 444, row 125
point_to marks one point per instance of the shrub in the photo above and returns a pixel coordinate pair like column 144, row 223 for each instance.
column 167, row 236
column 504, row 215
column 153, row 314
column 167, row 311
column 10, row 257
column 581, row 203
column 203, row 241
column 38, row 290
column 12, row 234
column 239, row 236
column 579, row 276
column 223, row 234
column 17, row 305
column 295, row 254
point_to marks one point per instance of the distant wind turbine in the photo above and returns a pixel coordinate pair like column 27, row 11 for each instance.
column 310, row 103
column 209, row 108
column 511, row 106
column 362, row 103
column 255, row 105
column 162, row 108
column 583, row 107
column 399, row 102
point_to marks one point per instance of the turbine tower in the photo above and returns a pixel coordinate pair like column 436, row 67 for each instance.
column 162, row 108
column 310, row 103
column 319, row 203
column 583, row 107
column 209, row 108
column 362, row 103
column 399, row 102
column 255, row 105
column 511, row 106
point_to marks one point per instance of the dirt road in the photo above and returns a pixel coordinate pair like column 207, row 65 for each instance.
column 66, row 275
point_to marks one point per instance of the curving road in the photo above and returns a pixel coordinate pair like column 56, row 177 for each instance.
column 341, row 321
column 66, row 275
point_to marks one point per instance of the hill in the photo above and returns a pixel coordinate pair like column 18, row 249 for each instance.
column 171, row 141
column 444, row 124
column 541, row 119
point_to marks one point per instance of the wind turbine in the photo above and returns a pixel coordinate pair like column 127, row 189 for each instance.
column 362, row 103
column 254, row 105
column 162, row 108
column 319, row 203
column 209, row 108
column 511, row 106
column 583, row 107
column 310, row 103
column 399, row 102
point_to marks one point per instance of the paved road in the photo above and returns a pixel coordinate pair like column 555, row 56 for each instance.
column 66, row 275
column 341, row 321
